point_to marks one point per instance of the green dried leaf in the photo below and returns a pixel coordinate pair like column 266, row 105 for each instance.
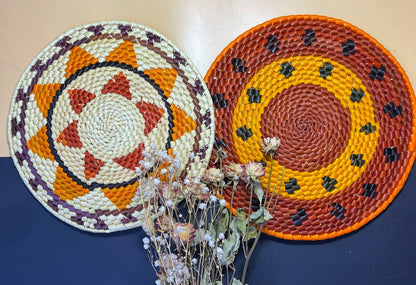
column 260, row 216
column 257, row 217
column 199, row 236
column 213, row 232
column 267, row 215
column 250, row 233
column 224, row 220
column 236, row 282
column 255, row 179
column 241, row 221
column 230, row 248
column 204, row 280
column 258, row 190
column 233, row 225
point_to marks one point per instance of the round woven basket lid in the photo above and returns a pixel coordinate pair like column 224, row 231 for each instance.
column 343, row 108
column 89, row 104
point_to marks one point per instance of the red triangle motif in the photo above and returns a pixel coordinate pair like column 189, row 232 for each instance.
column 151, row 114
column 119, row 85
column 79, row 98
column 92, row 165
column 69, row 136
column 131, row 161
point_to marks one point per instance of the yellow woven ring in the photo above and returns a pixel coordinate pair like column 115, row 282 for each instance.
column 306, row 71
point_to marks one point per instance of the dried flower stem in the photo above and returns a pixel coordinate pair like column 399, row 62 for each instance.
column 278, row 191
column 253, row 246
column 235, row 183
column 260, row 227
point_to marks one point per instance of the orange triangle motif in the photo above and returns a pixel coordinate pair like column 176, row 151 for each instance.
column 124, row 53
column 119, row 85
column 121, row 196
column 78, row 58
column 69, row 136
column 44, row 96
column 92, row 165
column 164, row 78
column 39, row 144
column 65, row 187
column 182, row 123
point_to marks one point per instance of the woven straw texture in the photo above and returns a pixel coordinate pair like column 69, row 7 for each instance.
column 87, row 106
column 343, row 108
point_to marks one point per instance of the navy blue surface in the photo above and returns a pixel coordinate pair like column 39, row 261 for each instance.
column 37, row 248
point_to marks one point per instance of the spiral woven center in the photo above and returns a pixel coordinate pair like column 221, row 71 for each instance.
column 110, row 126
column 312, row 125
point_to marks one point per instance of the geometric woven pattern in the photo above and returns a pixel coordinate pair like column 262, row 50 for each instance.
column 86, row 108
column 343, row 108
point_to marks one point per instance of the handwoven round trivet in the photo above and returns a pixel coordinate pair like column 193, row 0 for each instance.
column 343, row 108
column 87, row 106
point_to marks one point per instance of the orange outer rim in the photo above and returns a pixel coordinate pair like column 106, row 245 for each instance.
column 412, row 142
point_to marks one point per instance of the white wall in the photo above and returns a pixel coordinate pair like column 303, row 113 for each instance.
column 200, row 28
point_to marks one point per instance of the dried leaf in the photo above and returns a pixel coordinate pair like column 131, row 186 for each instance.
column 213, row 232
column 260, row 216
column 257, row 217
column 233, row 225
column 250, row 233
column 224, row 220
column 267, row 215
column 236, row 282
column 258, row 190
column 230, row 248
column 204, row 282
column 241, row 221
column 199, row 237
column 255, row 180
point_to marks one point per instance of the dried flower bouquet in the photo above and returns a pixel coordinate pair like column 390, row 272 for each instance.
column 191, row 236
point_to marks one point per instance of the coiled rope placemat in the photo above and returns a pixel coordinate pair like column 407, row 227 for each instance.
column 87, row 106
column 343, row 108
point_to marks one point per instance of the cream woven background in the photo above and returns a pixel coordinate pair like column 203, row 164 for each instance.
column 199, row 28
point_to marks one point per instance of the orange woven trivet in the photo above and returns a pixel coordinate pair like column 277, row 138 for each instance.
column 343, row 108
column 86, row 108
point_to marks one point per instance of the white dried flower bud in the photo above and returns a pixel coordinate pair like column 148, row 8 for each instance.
column 146, row 240
column 213, row 175
column 220, row 251
column 270, row 145
column 207, row 237
column 202, row 206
